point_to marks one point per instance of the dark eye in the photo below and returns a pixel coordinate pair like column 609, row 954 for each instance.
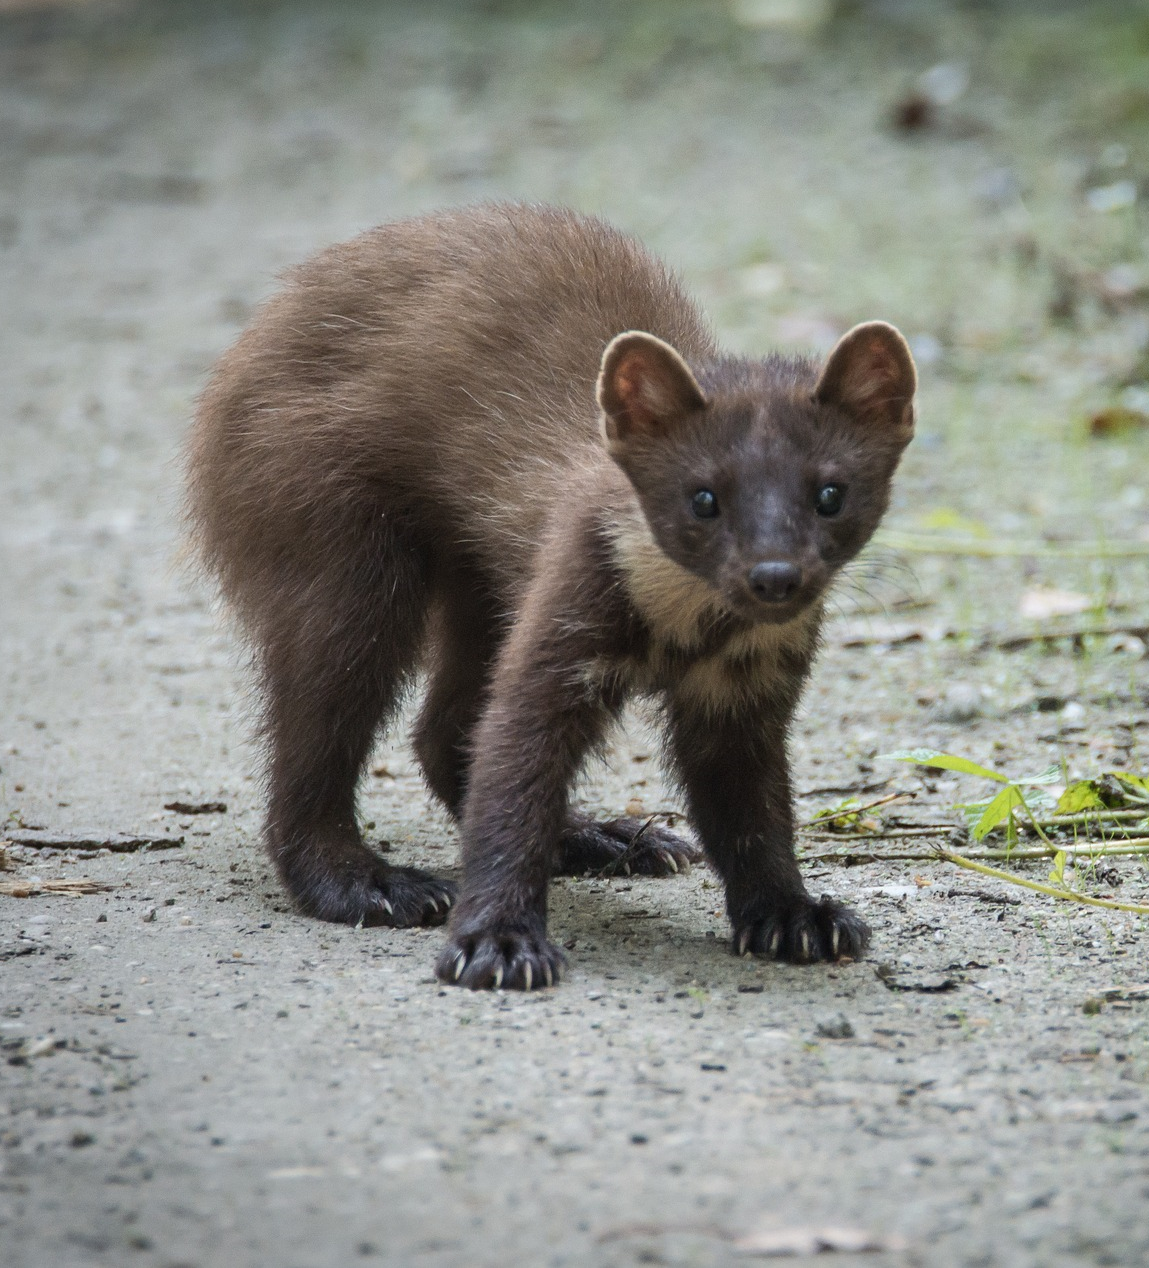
column 829, row 500
column 704, row 504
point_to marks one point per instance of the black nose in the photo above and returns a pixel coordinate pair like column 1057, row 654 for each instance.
column 774, row 581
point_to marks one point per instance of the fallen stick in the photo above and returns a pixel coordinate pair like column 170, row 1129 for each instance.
column 854, row 857
column 1092, row 818
column 855, row 635
column 1014, row 642
column 70, row 888
column 1053, row 891
column 984, row 896
column 885, row 834
column 828, row 816
column 117, row 842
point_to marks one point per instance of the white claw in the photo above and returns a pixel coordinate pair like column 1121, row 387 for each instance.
column 434, row 904
column 804, row 939
column 498, row 977
column 460, row 964
column 548, row 975
column 626, row 868
column 388, row 908
column 666, row 854
column 744, row 942
column 528, row 973
column 775, row 942
column 835, row 938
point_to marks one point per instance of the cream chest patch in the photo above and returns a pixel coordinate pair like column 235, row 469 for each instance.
column 680, row 609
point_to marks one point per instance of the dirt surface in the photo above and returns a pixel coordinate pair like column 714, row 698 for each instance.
column 194, row 1075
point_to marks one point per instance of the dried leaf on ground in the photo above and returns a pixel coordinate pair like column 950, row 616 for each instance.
column 1117, row 421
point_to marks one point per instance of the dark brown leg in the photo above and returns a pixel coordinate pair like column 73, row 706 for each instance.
column 736, row 776
column 465, row 644
column 335, row 661
column 529, row 744
column 625, row 846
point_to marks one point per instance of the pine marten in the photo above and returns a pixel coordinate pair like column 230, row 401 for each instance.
column 501, row 444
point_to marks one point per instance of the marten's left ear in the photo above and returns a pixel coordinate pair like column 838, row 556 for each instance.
column 644, row 388
column 870, row 374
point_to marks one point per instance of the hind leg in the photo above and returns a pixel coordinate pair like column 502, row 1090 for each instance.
column 335, row 661
column 627, row 846
column 465, row 644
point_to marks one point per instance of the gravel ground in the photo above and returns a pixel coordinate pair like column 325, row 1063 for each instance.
column 194, row 1075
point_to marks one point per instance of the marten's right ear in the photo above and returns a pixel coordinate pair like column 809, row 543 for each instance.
column 644, row 388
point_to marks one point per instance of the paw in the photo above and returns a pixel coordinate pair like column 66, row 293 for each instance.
column 356, row 887
column 804, row 934
column 487, row 960
column 627, row 846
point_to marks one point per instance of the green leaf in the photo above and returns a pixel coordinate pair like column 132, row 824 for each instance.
column 944, row 761
column 1137, row 786
column 1057, row 874
column 1050, row 775
column 1078, row 797
column 999, row 810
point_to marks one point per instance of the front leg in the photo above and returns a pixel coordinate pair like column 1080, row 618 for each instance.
column 527, row 749
column 735, row 772
column 544, row 712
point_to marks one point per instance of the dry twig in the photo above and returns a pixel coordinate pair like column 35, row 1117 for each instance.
column 74, row 888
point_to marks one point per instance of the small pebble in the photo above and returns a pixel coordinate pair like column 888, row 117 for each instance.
column 836, row 1027
column 961, row 703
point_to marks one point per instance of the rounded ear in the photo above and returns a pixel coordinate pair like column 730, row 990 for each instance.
column 644, row 388
column 870, row 375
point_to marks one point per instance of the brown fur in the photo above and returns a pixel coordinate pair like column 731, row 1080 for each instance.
column 401, row 464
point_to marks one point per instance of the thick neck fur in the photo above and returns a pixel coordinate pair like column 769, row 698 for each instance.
column 696, row 647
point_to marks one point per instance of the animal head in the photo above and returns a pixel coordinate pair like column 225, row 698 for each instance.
column 761, row 477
